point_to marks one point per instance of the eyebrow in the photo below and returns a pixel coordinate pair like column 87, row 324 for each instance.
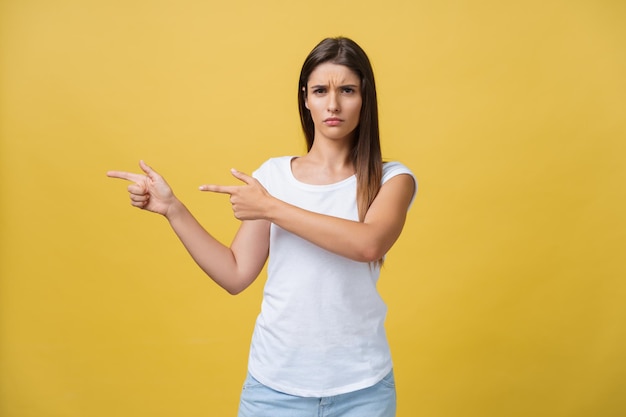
column 341, row 86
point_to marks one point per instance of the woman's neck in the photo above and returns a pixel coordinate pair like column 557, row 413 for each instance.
column 323, row 165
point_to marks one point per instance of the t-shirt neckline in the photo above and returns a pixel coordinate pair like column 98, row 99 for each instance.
column 293, row 179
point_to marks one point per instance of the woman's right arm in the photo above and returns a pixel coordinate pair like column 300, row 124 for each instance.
column 233, row 268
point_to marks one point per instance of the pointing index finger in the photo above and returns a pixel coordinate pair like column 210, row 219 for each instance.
column 222, row 189
column 129, row 176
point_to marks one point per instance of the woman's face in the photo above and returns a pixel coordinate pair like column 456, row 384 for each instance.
column 334, row 100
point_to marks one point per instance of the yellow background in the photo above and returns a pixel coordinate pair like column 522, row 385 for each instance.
column 506, row 291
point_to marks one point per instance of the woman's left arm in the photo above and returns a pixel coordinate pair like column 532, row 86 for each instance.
column 366, row 241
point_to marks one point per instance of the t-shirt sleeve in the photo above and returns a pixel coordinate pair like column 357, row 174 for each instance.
column 272, row 172
column 391, row 169
column 262, row 174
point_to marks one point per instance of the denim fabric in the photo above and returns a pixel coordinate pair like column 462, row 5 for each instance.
column 257, row 400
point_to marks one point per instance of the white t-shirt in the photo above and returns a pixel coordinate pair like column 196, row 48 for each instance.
column 321, row 327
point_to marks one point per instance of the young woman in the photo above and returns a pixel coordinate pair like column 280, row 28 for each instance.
column 326, row 220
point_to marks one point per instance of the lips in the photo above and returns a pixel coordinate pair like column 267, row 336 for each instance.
column 333, row 121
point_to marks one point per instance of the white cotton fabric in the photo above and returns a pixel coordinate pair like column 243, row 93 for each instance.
column 321, row 328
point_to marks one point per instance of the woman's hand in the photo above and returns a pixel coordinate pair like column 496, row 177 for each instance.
column 148, row 192
column 250, row 201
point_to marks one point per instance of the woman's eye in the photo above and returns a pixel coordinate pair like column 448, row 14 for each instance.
column 319, row 91
column 348, row 90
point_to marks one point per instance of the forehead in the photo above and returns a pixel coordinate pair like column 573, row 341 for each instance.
column 329, row 73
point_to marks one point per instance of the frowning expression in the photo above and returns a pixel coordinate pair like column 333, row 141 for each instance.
column 333, row 96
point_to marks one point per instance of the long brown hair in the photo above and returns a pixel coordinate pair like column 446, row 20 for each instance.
column 365, row 153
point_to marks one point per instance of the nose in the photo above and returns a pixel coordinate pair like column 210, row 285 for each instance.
column 333, row 103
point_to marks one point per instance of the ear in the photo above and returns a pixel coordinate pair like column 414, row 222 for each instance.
column 306, row 102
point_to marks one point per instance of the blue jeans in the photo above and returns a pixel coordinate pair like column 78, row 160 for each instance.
column 257, row 400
